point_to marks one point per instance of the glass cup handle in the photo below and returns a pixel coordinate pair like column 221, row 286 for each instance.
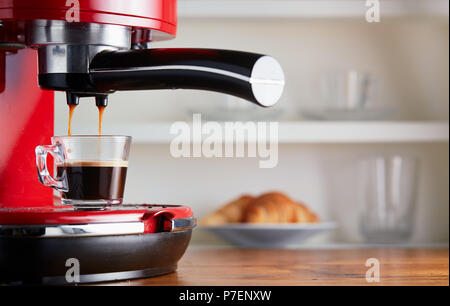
column 44, row 176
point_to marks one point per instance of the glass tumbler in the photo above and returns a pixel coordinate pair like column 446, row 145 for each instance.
column 90, row 170
column 388, row 186
column 347, row 90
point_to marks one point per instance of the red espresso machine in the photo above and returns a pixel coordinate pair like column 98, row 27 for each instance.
column 91, row 48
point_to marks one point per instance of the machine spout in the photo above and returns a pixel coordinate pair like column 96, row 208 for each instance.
column 94, row 60
column 254, row 77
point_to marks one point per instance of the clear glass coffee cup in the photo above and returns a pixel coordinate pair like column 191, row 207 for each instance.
column 90, row 170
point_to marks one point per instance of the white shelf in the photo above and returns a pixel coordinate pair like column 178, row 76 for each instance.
column 363, row 132
column 308, row 8
column 302, row 132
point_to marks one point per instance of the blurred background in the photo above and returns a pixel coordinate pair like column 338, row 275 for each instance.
column 397, row 70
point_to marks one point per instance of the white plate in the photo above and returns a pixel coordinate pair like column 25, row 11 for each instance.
column 268, row 235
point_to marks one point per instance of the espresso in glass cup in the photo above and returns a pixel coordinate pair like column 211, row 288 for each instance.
column 90, row 170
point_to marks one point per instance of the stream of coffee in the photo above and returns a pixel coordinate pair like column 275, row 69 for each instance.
column 101, row 109
column 71, row 109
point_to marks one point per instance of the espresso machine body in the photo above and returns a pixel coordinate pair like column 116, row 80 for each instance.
column 91, row 48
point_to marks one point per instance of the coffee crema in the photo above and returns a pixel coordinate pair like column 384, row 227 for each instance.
column 94, row 180
column 94, row 163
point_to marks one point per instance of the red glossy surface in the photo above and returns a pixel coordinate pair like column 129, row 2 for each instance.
column 2, row 71
column 148, row 214
column 26, row 120
column 159, row 15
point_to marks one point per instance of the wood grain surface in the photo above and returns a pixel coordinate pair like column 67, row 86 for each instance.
column 305, row 267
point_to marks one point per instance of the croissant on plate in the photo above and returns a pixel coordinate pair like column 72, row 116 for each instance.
column 272, row 207
column 232, row 212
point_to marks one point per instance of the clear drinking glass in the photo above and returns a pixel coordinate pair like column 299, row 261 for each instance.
column 347, row 95
column 388, row 186
column 347, row 90
column 90, row 170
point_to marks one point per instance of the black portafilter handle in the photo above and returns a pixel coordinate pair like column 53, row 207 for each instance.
column 254, row 77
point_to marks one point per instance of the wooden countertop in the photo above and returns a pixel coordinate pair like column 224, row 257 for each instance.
column 305, row 267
